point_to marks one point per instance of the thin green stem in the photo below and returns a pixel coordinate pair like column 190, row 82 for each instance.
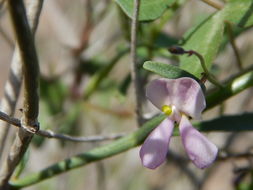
column 233, row 87
column 208, row 75
column 232, row 42
column 180, row 51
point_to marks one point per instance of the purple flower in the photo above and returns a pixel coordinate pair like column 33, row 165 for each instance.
column 177, row 98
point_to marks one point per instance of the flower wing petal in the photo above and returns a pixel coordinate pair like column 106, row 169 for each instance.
column 154, row 149
column 184, row 93
column 189, row 97
column 158, row 93
column 200, row 150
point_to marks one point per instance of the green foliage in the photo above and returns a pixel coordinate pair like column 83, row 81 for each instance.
column 52, row 92
column 239, row 12
column 149, row 10
column 166, row 70
column 206, row 37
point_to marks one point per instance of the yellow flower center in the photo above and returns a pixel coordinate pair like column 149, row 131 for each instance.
column 167, row 110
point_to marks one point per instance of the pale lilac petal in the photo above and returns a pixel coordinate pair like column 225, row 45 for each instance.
column 184, row 93
column 154, row 149
column 189, row 97
column 200, row 150
column 158, row 93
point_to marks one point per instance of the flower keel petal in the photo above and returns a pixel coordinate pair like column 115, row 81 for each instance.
column 200, row 150
column 154, row 149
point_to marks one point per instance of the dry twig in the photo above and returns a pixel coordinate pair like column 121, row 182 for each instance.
column 50, row 134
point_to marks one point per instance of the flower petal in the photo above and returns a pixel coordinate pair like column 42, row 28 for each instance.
column 184, row 93
column 200, row 150
column 188, row 97
column 158, row 93
column 154, row 149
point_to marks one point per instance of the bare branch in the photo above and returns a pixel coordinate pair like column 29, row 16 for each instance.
column 12, row 86
column 30, row 70
column 50, row 134
column 9, row 119
column 134, row 66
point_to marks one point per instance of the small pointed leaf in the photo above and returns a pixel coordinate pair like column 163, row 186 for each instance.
column 166, row 70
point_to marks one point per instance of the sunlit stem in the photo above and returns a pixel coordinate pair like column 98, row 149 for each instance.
column 209, row 76
column 213, row 4
column 167, row 110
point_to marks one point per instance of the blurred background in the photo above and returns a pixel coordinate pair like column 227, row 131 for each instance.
column 78, row 40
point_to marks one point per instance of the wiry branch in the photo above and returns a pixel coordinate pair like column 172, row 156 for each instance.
column 134, row 66
column 30, row 70
column 50, row 134
column 99, row 138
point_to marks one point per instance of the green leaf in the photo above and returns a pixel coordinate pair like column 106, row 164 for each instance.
column 149, row 9
column 239, row 12
column 206, row 37
column 166, row 70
